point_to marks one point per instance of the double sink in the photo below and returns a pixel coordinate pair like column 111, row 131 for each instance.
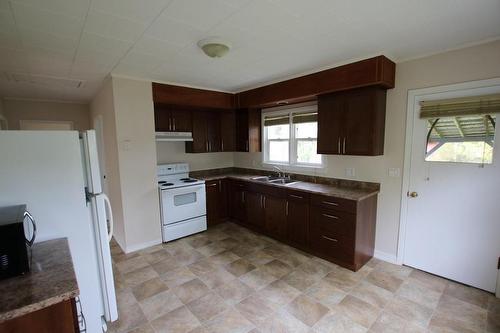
column 274, row 180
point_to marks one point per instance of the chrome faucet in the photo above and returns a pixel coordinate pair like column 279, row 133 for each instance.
column 281, row 173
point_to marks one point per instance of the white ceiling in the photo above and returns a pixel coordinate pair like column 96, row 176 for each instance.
column 271, row 39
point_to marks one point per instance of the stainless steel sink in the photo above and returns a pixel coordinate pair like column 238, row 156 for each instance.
column 274, row 180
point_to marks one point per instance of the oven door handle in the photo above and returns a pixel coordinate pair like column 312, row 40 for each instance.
column 184, row 190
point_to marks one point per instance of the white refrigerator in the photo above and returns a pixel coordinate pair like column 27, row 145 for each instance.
column 56, row 174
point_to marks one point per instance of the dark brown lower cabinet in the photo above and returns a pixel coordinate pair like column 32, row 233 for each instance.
column 216, row 197
column 336, row 229
column 58, row 318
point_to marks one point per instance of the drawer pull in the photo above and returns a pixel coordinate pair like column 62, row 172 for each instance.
column 330, row 239
column 330, row 203
column 331, row 216
column 296, row 196
column 211, row 185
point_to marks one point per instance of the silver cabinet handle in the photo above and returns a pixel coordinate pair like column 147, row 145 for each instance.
column 169, row 124
column 222, row 144
column 338, row 146
column 330, row 239
column 220, row 186
column 264, row 202
column 330, row 203
column 208, row 148
column 331, row 216
column 296, row 196
column 211, row 185
column 261, row 204
column 286, row 208
column 343, row 145
column 30, row 217
column 173, row 122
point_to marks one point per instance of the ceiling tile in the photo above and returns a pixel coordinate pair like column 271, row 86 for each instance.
column 48, row 62
column 113, row 26
column 14, row 60
column 73, row 8
column 36, row 19
column 136, row 10
column 91, row 42
column 40, row 39
column 200, row 14
column 6, row 17
column 156, row 47
column 9, row 37
column 174, row 32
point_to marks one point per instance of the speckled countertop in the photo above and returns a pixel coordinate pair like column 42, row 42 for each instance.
column 50, row 281
column 347, row 190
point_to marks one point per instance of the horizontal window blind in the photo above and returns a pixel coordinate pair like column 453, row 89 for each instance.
column 305, row 117
column 276, row 120
column 459, row 107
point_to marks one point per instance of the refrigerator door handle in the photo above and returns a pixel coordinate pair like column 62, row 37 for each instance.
column 110, row 211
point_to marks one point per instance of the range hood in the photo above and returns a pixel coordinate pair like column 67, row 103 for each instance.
column 174, row 136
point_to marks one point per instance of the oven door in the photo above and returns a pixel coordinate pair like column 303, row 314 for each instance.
column 183, row 203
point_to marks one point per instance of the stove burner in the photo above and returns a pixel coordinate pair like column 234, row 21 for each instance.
column 162, row 182
column 166, row 184
column 188, row 180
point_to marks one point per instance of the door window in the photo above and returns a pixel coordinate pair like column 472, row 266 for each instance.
column 184, row 199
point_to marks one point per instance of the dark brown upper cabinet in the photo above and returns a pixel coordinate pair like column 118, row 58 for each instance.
column 206, row 132
column 248, row 130
column 172, row 119
column 197, row 98
column 227, row 130
column 352, row 122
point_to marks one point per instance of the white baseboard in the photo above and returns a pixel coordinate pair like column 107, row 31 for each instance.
column 140, row 246
column 386, row 257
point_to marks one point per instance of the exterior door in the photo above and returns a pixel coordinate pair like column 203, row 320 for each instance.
column 453, row 216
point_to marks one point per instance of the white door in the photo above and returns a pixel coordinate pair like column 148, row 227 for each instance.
column 453, row 220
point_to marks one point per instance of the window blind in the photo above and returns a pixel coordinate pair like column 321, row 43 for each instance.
column 305, row 117
column 276, row 120
column 459, row 107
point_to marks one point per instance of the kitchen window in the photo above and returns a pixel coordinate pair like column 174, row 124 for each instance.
column 290, row 136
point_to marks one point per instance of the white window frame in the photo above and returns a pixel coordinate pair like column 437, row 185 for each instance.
column 292, row 140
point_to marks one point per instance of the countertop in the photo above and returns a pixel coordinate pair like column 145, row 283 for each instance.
column 344, row 192
column 51, row 280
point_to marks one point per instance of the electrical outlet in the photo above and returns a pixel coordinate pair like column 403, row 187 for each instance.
column 394, row 172
column 350, row 172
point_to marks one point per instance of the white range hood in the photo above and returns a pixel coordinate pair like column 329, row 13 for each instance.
column 174, row 136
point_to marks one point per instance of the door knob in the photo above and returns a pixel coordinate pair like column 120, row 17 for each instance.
column 412, row 194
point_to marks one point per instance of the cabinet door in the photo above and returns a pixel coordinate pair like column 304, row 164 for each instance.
column 364, row 121
column 298, row 219
column 223, row 199
column 275, row 216
column 181, row 120
column 330, row 112
column 238, row 199
column 228, row 130
column 162, row 119
column 242, row 143
column 213, row 131
column 212, row 198
column 255, row 209
column 200, row 139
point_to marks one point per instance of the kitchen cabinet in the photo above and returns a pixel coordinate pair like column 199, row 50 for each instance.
column 275, row 216
column 228, row 130
column 216, row 197
column 297, row 215
column 237, row 199
column 248, row 130
column 352, row 122
column 172, row 119
column 255, row 209
column 206, row 132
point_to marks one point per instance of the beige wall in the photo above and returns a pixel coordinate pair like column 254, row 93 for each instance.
column 171, row 152
column 135, row 134
column 103, row 105
column 474, row 63
column 17, row 110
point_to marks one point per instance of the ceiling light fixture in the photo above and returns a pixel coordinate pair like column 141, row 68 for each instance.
column 214, row 47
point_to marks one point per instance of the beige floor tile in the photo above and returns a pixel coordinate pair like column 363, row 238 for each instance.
column 389, row 323
column 177, row 277
column 146, row 328
column 336, row 322
column 384, row 280
column 457, row 315
column 276, row 268
column 177, row 246
column 216, row 278
column 228, row 243
column 254, row 308
column 211, row 249
column 230, row 321
column 317, row 269
column 191, row 290
column 372, row 294
column 202, row 266
column 416, row 292
column 165, row 265
column 468, row 294
column 149, row 288
column 131, row 264
column 410, row 311
column 160, row 304
column 283, row 322
column 207, row 307
column 279, row 293
column 224, row 258
column 257, row 279
column 493, row 322
column 157, row 256
column 373, row 262
column 239, row 267
column 327, row 294
column 198, row 240
column 275, row 250
column 130, row 315
column 259, row 258
column 185, row 257
column 243, row 249
column 358, row 311
column 343, row 279
column 294, row 259
column 140, row 275
column 234, row 291
column 399, row 271
column 430, row 281
column 300, row 280
column 180, row 320
column 307, row 310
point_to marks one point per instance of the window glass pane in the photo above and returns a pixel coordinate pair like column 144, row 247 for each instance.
column 185, row 199
column 278, row 131
column 306, row 130
column 463, row 139
column 306, row 152
column 278, row 151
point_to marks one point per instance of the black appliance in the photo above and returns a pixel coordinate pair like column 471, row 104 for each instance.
column 17, row 235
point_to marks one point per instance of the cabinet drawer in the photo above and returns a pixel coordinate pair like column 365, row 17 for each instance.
column 238, row 184
column 297, row 196
column 333, row 203
column 326, row 244
column 334, row 224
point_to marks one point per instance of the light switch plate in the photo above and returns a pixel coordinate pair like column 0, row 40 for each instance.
column 394, row 172
column 350, row 172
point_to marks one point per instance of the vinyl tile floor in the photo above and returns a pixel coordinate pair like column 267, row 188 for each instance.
column 230, row 279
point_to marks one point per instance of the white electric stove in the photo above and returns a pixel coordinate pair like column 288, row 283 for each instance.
column 182, row 201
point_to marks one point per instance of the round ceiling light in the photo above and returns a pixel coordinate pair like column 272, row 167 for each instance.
column 213, row 47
